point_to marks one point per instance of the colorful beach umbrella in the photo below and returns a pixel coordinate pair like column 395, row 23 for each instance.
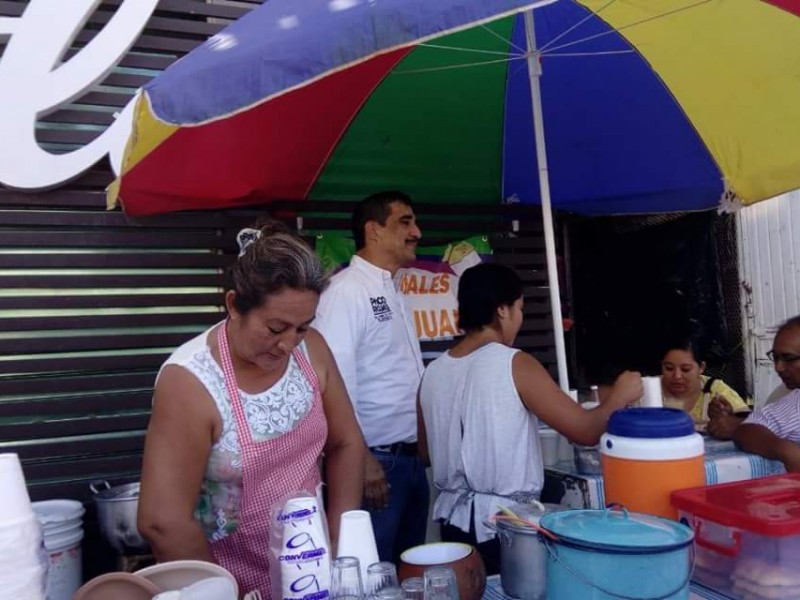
column 648, row 106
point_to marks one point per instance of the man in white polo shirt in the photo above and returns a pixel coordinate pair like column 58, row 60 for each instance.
column 774, row 430
column 365, row 322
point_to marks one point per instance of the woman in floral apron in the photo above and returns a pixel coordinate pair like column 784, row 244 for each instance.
column 242, row 415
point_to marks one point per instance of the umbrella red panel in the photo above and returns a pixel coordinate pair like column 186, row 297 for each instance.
column 236, row 159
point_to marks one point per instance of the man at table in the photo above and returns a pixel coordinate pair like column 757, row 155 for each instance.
column 774, row 430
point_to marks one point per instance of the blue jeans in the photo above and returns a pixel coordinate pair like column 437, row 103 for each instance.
column 403, row 523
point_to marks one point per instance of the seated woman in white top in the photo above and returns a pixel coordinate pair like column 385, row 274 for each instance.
column 481, row 403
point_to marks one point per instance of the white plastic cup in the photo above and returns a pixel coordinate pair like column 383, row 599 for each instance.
column 22, row 560
column 565, row 451
column 13, row 493
column 24, row 584
column 20, row 543
column 652, row 393
column 549, row 442
column 357, row 539
column 296, row 508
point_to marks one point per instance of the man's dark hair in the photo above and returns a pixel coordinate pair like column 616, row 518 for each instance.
column 789, row 324
column 376, row 207
column 482, row 289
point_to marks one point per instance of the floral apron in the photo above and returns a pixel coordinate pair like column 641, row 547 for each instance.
column 270, row 470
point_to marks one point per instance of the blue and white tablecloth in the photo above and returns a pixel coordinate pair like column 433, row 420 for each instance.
column 724, row 464
column 494, row 591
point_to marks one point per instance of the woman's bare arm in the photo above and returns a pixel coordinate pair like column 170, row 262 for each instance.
column 177, row 447
column 550, row 404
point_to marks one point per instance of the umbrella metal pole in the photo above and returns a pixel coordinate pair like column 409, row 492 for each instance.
column 534, row 72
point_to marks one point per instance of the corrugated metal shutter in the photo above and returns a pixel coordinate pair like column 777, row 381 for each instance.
column 89, row 303
column 769, row 248
column 89, row 308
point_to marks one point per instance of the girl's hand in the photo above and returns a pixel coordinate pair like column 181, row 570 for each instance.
column 719, row 407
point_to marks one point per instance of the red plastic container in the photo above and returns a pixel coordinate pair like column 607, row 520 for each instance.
column 747, row 535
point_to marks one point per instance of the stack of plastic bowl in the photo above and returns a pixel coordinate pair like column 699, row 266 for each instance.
column 22, row 574
column 62, row 531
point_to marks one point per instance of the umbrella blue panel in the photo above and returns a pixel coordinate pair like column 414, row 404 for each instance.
column 284, row 43
column 616, row 140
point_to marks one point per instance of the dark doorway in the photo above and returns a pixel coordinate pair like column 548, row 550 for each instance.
column 640, row 282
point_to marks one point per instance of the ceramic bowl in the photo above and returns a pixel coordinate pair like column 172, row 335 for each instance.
column 465, row 561
column 178, row 574
column 119, row 586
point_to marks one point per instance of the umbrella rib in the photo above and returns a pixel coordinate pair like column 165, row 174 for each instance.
column 591, row 15
column 460, row 66
column 629, row 25
column 491, row 32
column 500, row 37
column 475, row 50
column 603, row 53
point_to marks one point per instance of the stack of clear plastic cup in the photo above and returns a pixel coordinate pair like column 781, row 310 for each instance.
column 22, row 557
column 440, row 584
column 414, row 588
column 380, row 575
column 346, row 579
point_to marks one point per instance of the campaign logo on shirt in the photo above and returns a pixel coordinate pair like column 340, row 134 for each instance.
column 380, row 309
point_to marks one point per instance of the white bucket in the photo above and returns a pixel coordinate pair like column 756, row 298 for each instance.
column 62, row 532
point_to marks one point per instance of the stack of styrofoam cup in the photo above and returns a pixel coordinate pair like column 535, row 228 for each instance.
column 22, row 574
column 305, row 556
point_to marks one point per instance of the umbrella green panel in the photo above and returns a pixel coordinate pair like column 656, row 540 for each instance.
column 433, row 127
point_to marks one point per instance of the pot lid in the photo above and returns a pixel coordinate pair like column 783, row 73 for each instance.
column 650, row 423
column 617, row 529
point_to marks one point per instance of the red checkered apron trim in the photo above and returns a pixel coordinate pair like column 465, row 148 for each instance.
column 270, row 470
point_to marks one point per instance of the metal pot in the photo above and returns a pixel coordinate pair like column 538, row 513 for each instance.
column 116, row 514
column 523, row 556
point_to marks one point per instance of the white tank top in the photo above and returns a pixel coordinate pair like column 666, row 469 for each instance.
column 483, row 441
column 270, row 414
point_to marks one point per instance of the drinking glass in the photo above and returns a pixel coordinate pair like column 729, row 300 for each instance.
column 440, row 584
column 414, row 588
column 346, row 579
column 380, row 575
column 389, row 593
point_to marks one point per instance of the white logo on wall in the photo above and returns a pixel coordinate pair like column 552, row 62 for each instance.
column 32, row 87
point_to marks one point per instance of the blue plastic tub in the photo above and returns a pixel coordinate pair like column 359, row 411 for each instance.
column 616, row 555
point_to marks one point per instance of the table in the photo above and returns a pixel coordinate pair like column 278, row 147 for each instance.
column 724, row 464
column 494, row 591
